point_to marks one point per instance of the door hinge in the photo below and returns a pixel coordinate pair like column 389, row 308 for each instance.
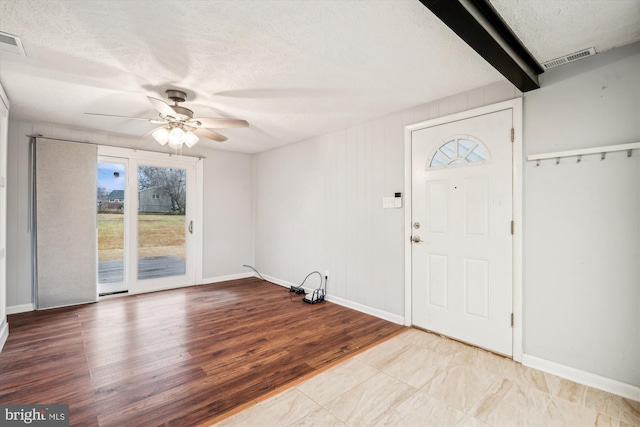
column 513, row 226
column 513, row 134
column 512, row 320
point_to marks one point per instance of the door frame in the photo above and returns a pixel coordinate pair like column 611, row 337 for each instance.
column 516, row 170
column 135, row 157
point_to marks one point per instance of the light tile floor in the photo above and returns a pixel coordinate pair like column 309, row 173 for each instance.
column 421, row 379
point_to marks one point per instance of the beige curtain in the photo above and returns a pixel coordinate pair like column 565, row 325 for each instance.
column 65, row 223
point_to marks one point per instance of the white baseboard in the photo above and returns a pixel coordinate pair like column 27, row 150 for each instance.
column 22, row 308
column 281, row 282
column 4, row 333
column 583, row 377
column 225, row 278
column 346, row 303
column 367, row 310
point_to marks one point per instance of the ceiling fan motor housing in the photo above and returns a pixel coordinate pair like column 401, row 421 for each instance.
column 179, row 96
column 176, row 95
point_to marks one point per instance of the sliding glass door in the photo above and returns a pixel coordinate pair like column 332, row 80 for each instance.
column 162, row 228
column 146, row 221
column 163, row 224
column 112, row 211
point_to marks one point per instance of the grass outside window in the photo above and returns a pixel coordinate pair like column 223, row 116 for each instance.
column 158, row 235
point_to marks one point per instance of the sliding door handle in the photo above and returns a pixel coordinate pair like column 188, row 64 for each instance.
column 191, row 227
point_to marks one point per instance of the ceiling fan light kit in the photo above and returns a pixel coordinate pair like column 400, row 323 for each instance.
column 161, row 135
column 190, row 139
column 176, row 138
column 179, row 127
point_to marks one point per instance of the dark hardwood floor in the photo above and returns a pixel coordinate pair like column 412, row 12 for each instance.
column 179, row 357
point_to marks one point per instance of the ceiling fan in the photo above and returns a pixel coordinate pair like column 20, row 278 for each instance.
column 178, row 124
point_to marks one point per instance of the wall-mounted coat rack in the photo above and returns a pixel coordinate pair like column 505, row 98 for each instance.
column 583, row 152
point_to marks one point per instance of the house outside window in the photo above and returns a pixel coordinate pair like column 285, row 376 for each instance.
column 116, row 196
column 154, row 200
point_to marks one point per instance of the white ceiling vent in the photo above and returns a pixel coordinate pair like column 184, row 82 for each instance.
column 569, row 58
column 11, row 43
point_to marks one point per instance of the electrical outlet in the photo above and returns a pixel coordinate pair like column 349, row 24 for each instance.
column 326, row 274
column 388, row 202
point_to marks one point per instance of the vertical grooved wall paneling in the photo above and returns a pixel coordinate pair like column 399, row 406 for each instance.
column 319, row 204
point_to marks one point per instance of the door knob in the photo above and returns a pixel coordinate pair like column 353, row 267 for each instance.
column 416, row 239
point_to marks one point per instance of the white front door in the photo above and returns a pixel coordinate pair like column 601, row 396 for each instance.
column 461, row 215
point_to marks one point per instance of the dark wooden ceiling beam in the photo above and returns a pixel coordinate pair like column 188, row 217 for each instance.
column 481, row 27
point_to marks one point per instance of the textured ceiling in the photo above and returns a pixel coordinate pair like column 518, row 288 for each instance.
column 554, row 28
column 293, row 69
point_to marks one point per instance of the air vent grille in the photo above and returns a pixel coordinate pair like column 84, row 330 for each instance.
column 569, row 58
column 554, row 63
column 12, row 44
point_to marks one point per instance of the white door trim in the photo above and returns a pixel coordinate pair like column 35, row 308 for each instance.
column 517, row 164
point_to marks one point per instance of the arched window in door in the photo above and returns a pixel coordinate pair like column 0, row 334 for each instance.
column 463, row 150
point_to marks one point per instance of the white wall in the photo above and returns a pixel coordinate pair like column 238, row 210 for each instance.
column 319, row 206
column 19, row 286
column 582, row 221
column 4, row 133
column 228, row 214
column 227, row 234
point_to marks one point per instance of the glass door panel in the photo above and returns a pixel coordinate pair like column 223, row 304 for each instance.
column 111, row 215
column 162, row 196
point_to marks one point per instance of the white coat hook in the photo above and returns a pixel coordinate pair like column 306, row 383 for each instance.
column 586, row 151
column 557, row 160
column 537, row 163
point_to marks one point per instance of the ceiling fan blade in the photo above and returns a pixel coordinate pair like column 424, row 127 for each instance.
column 208, row 133
column 162, row 106
column 220, row 123
column 120, row 117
